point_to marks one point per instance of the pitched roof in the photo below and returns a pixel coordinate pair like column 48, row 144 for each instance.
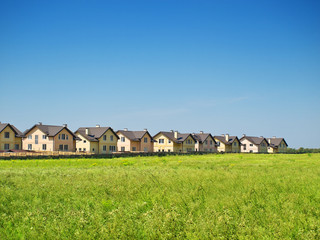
column 254, row 140
column 94, row 133
column 14, row 129
column 180, row 138
column 201, row 137
column 275, row 142
column 223, row 139
column 135, row 136
column 49, row 130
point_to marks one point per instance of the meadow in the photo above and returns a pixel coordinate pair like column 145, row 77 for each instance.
column 216, row 196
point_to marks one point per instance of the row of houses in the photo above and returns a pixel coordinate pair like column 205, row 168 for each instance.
column 103, row 140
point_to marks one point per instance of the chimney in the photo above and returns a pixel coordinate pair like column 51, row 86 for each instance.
column 40, row 123
column 171, row 131
column 175, row 134
column 274, row 137
column 243, row 135
column 222, row 135
column 261, row 136
column 201, row 132
column 126, row 129
column 227, row 137
column 145, row 130
column 97, row 125
column 64, row 125
column 87, row 131
column 269, row 140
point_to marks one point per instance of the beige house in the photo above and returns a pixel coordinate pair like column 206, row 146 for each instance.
column 227, row 144
column 49, row 138
column 174, row 142
column 10, row 137
column 204, row 142
column 251, row 144
column 135, row 141
column 277, row 145
column 98, row 140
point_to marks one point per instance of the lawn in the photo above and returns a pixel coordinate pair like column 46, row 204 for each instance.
column 230, row 196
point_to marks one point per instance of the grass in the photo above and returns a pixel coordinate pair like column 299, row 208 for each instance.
column 231, row 196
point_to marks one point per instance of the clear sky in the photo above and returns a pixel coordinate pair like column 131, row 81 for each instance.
column 223, row 66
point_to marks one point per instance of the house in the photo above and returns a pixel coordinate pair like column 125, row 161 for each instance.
column 135, row 141
column 10, row 137
column 204, row 142
column 98, row 140
column 49, row 138
column 227, row 143
column 254, row 144
column 174, row 141
column 277, row 145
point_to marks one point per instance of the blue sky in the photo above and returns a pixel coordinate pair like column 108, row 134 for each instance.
column 232, row 67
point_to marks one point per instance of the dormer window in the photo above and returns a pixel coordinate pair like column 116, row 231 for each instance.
column 6, row 135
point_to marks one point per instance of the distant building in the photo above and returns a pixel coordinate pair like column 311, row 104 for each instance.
column 98, row 140
column 277, row 145
column 227, row 144
column 251, row 144
column 204, row 142
column 49, row 138
column 10, row 137
column 174, row 142
column 135, row 141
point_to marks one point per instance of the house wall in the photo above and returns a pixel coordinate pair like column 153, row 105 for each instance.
column 86, row 145
column 38, row 147
column 108, row 142
column 254, row 148
column 221, row 147
column 235, row 147
column 167, row 146
column 188, row 147
column 209, row 146
column 12, row 140
column 126, row 143
column 148, row 146
column 70, row 142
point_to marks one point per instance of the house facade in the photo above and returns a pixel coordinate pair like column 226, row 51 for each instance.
column 277, row 145
column 49, row 138
column 98, row 140
column 10, row 137
column 227, row 143
column 204, row 142
column 250, row 144
column 135, row 141
column 174, row 142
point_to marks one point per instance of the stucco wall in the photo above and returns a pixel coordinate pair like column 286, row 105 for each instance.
column 12, row 140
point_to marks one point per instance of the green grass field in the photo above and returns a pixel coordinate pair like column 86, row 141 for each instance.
column 230, row 196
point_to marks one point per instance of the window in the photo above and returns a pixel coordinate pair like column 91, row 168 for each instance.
column 111, row 138
column 44, row 147
column 104, row 138
column 104, row 148
column 6, row 146
column 218, row 143
column 6, row 135
column 145, row 149
column 29, row 146
column 66, row 148
column 29, row 136
column 67, row 136
column 251, row 145
column 123, row 139
column 84, row 141
column 162, row 150
column 211, row 142
column 244, row 146
column 123, row 149
column 159, row 150
column 169, row 141
column 60, row 147
column 195, row 142
column 251, row 151
column 134, row 149
column 169, row 150
column 161, row 141
column 79, row 149
column 234, row 144
column 112, row 148
column 92, row 149
column 59, row 136
column 36, row 139
column 206, row 142
column 63, row 136
column 16, row 146
column 145, row 140
column 84, row 149
column 44, row 137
